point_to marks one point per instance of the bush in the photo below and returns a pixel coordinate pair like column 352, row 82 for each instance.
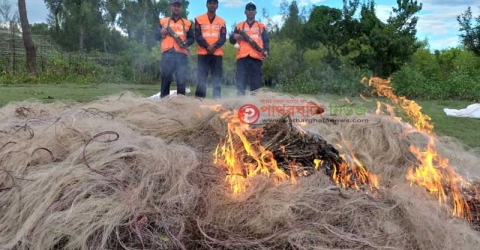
column 447, row 74
column 56, row 68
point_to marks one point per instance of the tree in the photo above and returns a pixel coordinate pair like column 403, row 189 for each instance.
column 385, row 47
column 56, row 12
column 27, row 39
column 73, row 16
column 5, row 11
column 6, row 14
column 85, row 24
column 470, row 31
column 139, row 18
column 323, row 27
column 291, row 28
column 350, row 25
column 273, row 28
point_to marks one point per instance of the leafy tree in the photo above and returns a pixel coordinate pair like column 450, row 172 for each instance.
column 323, row 27
column 74, row 19
column 40, row 29
column 470, row 31
column 139, row 18
column 385, row 47
column 403, row 25
column 85, row 25
column 272, row 27
column 291, row 28
column 56, row 13
column 350, row 25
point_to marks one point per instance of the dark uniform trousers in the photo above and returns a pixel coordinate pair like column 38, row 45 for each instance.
column 173, row 64
column 249, row 72
column 209, row 64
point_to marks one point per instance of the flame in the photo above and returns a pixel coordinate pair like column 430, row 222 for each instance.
column 198, row 113
column 303, row 124
column 364, row 98
column 216, row 107
column 435, row 174
column 353, row 173
column 433, row 171
column 412, row 109
column 379, row 108
column 317, row 163
column 243, row 157
column 293, row 170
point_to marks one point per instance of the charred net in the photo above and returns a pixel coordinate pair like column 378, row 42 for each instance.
column 284, row 149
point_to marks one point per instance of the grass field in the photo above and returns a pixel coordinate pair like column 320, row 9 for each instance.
column 463, row 129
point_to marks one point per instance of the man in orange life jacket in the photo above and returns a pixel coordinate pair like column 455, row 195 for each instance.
column 174, row 56
column 211, row 35
column 249, row 60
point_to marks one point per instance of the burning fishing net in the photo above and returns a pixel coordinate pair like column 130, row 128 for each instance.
column 125, row 172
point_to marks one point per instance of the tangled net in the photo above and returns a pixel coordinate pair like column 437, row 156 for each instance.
column 128, row 173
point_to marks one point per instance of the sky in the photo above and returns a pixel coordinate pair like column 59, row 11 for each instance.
column 437, row 20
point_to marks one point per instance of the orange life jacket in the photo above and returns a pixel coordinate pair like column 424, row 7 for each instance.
column 180, row 27
column 211, row 33
column 255, row 32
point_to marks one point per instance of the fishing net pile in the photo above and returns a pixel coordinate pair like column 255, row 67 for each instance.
column 125, row 172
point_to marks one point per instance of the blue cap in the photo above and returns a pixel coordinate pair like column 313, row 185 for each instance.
column 250, row 5
column 176, row 1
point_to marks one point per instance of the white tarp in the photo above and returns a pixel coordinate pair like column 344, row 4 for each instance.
column 472, row 111
column 172, row 93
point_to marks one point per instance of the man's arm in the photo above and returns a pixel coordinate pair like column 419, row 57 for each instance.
column 158, row 34
column 198, row 35
column 266, row 41
column 223, row 38
column 232, row 39
column 190, row 37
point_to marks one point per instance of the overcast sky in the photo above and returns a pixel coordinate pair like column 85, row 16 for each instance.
column 437, row 20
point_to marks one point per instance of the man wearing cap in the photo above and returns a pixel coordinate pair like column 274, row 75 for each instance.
column 211, row 35
column 249, row 59
column 174, row 53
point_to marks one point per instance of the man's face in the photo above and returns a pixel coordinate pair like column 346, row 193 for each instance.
column 176, row 9
column 212, row 6
column 250, row 13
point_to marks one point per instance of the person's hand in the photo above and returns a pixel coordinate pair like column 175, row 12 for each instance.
column 163, row 32
column 265, row 54
column 210, row 49
column 237, row 36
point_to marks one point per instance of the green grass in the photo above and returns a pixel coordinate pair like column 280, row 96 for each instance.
column 463, row 129
column 83, row 93
column 80, row 93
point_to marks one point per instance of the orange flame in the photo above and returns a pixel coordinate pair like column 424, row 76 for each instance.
column 243, row 156
column 433, row 171
column 412, row 109
column 435, row 174
column 353, row 172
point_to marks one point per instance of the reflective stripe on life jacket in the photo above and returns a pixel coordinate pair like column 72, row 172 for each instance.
column 254, row 32
column 211, row 32
column 180, row 28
